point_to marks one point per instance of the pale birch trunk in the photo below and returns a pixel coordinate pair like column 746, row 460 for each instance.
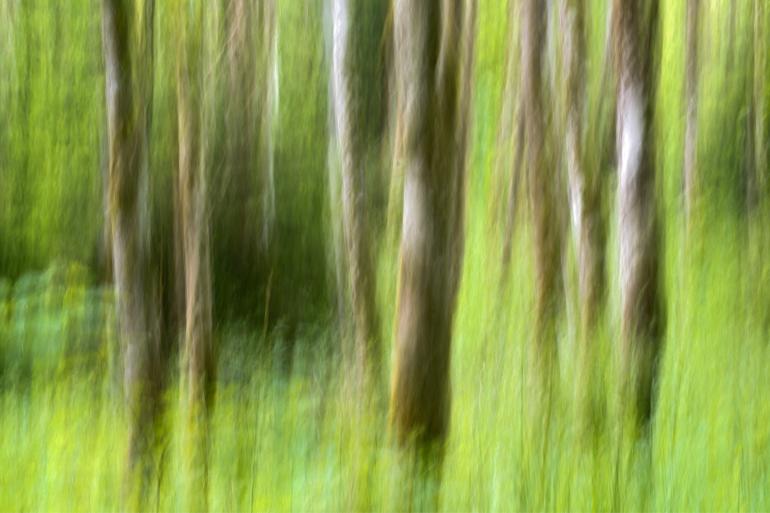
column 642, row 313
column 433, row 56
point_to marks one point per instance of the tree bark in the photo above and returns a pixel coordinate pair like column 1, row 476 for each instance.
column 433, row 54
column 250, row 46
column 542, row 180
column 356, row 125
column 584, row 183
column 642, row 311
column 199, row 356
column 584, row 198
column 129, row 102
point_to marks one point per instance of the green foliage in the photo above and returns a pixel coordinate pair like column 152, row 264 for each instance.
column 52, row 107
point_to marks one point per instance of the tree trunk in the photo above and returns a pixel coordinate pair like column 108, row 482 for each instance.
column 433, row 55
column 199, row 359
column 128, row 96
column 542, row 184
column 584, row 183
column 250, row 33
column 642, row 312
column 356, row 125
column 584, row 197
column 128, row 122
column 691, row 130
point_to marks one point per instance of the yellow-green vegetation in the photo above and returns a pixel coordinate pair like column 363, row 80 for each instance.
column 290, row 438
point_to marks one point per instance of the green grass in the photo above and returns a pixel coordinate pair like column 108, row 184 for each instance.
column 298, row 443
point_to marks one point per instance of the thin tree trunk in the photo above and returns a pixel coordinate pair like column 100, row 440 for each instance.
column 760, row 84
column 433, row 55
column 584, row 196
column 542, row 184
column 250, row 34
column 352, row 87
column 584, row 184
column 128, row 123
column 199, row 358
column 642, row 313
column 691, row 130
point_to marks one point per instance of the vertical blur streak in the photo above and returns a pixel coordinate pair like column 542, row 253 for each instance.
column 511, row 136
column 542, row 179
column 247, row 208
column 759, row 96
column 642, row 314
column 351, row 86
column 584, row 192
column 691, row 129
column 128, row 105
column 433, row 52
column 199, row 359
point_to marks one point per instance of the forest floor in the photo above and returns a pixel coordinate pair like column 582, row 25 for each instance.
column 296, row 442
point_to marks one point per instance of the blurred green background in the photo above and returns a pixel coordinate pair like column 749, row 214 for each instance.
column 283, row 437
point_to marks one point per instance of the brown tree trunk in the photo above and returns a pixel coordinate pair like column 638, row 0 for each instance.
column 691, row 130
column 642, row 312
column 542, row 185
column 353, row 86
column 199, row 358
column 584, row 183
column 584, row 197
column 433, row 55
column 128, row 95
column 250, row 33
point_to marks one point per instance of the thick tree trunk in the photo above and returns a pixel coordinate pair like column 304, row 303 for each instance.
column 691, row 130
column 199, row 358
column 355, row 123
column 434, row 48
column 642, row 313
column 542, row 184
column 128, row 106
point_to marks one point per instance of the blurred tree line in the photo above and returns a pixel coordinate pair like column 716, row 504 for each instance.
column 251, row 160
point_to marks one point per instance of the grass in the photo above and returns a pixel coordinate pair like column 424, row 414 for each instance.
column 298, row 443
